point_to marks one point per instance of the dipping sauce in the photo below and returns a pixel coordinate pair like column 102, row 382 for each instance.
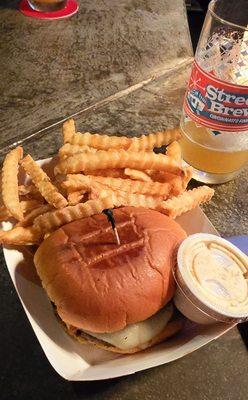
column 212, row 275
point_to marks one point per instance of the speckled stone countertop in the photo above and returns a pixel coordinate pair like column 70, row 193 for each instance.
column 124, row 66
column 52, row 69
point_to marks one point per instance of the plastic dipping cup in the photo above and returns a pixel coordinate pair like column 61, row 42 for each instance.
column 211, row 276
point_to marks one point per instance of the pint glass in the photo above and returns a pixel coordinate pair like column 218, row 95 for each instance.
column 214, row 123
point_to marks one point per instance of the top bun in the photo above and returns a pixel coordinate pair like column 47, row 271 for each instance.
column 101, row 287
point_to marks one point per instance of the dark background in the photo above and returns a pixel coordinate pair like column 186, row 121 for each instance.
column 196, row 14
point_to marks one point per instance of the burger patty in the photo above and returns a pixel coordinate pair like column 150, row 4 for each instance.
column 132, row 336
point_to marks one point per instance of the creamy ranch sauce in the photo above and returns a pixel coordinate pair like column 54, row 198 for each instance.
column 219, row 274
column 136, row 335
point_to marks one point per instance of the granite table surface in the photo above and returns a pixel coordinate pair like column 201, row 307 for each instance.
column 120, row 67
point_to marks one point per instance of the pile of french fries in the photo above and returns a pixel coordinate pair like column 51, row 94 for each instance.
column 94, row 172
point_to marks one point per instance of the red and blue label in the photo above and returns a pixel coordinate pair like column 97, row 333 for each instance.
column 216, row 104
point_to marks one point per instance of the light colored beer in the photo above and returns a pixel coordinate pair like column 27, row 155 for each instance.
column 203, row 157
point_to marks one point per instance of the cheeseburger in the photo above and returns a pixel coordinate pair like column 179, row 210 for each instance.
column 115, row 297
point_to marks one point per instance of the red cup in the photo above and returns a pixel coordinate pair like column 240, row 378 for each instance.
column 47, row 5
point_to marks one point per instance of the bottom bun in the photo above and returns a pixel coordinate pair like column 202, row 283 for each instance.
column 173, row 327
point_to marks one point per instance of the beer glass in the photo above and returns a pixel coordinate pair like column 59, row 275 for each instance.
column 214, row 123
column 47, row 5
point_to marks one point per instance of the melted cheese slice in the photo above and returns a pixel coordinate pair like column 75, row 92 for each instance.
column 138, row 334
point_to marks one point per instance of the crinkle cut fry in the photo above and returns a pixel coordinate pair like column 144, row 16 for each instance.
column 137, row 175
column 68, row 150
column 20, row 236
column 178, row 183
column 30, row 217
column 68, row 130
column 75, row 197
column 42, row 181
column 188, row 173
column 126, row 185
column 157, row 139
column 26, row 205
column 118, row 159
column 173, row 207
column 142, row 143
column 102, row 142
column 54, row 219
column 108, row 172
column 186, row 201
column 27, row 189
column 10, row 195
column 132, row 199
column 174, row 151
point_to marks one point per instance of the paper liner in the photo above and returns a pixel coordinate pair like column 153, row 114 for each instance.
column 77, row 362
